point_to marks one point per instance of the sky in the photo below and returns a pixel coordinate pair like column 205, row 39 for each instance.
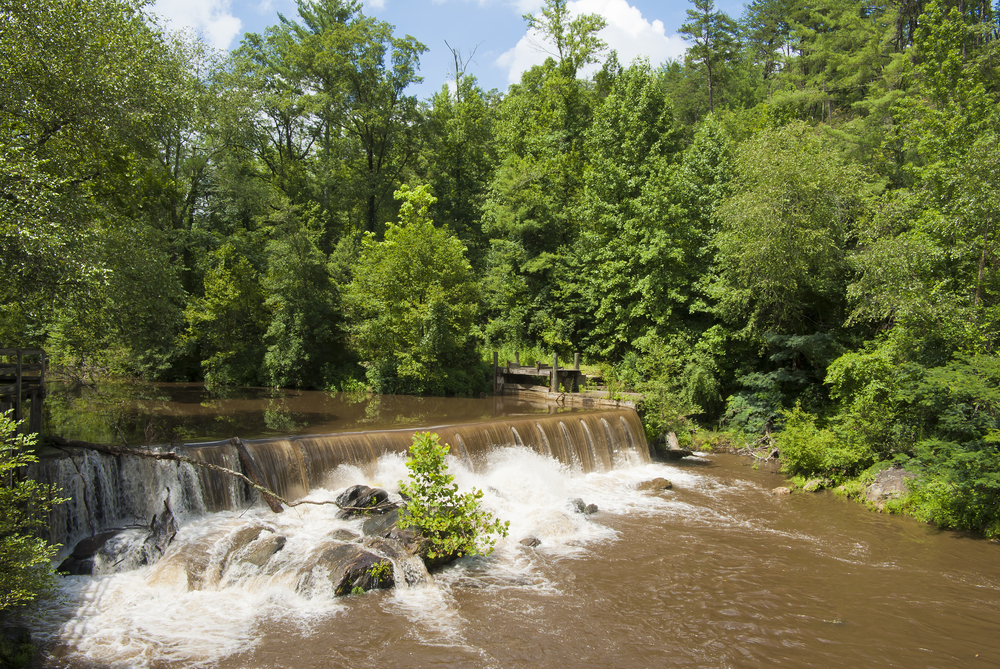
column 493, row 29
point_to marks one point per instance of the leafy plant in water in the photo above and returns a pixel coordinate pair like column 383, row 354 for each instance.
column 454, row 523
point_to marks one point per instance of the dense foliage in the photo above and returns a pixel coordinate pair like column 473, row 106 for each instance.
column 455, row 523
column 794, row 227
column 25, row 568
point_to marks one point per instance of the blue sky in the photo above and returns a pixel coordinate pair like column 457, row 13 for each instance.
column 505, row 49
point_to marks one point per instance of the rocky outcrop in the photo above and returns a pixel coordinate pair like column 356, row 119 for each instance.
column 888, row 485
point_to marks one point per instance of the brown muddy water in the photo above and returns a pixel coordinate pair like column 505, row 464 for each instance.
column 715, row 572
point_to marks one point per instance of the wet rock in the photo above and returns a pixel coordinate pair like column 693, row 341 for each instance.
column 361, row 499
column 411, row 563
column 781, row 490
column 378, row 525
column 351, row 569
column 344, row 534
column 81, row 561
column 582, row 507
column 260, row 550
column 122, row 549
column 889, row 484
column 531, row 542
column 655, row 485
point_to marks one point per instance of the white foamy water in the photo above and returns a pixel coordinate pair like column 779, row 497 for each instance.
column 206, row 597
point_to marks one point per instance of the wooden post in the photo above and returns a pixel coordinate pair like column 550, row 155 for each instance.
column 35, row 417
column 496, row 370
column 576, row 361
column 554, row 381
column 18, row 407
column 517, row 358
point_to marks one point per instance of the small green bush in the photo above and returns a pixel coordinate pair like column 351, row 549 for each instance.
column 453, row 522
column 24, row 505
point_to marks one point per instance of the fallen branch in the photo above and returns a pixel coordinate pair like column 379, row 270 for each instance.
column 165, row 455
column 273, row 500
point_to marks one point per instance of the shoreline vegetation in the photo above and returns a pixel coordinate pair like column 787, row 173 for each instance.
column 789, row 236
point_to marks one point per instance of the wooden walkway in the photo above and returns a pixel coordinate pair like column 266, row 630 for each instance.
column 22, row 381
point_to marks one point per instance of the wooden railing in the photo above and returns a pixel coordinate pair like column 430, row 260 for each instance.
column 22, row 379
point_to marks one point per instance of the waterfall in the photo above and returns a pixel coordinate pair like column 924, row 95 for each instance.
column 108, row 491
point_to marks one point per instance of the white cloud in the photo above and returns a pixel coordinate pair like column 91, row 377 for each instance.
column 627, row 32
column 211, row 18
column 374, row 4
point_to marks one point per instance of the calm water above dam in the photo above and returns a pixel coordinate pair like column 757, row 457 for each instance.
column 716, row 572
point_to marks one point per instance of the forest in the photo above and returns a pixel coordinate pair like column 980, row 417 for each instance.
column 793, row 231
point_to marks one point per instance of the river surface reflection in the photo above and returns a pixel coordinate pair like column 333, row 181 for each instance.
column 157, row 413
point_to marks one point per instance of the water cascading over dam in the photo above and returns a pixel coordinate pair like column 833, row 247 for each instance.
column 109, row 490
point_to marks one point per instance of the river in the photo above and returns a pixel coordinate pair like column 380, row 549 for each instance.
column 715, row 572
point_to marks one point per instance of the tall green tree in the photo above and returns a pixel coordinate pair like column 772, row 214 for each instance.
column 714, row 41
column 413, row 300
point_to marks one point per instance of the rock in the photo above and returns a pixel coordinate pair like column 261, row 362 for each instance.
column 781, row 490
column 122, row 549
column 361, row 499
column 531, row 542
column 813, row 485
column 590, row 509
column 378, row 525
column 81, row 561
column 889, row 484
column 656, row 485
column 674, row 450
column 259, row 551
column 344, row 534
column 578, row 505
column 352, row 569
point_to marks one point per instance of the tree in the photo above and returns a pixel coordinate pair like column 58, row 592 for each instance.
column 25, row 558
column 575, row 39
column 413, row 300
column 454, row 523
column 82, row 106
column 229, row 322
column 714, row 41
column 782, row 247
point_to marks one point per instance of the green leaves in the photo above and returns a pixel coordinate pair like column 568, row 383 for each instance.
column 453, row 522
column 413, row 300
column 25, row 559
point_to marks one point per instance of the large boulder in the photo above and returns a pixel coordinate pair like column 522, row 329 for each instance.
column 889, row 484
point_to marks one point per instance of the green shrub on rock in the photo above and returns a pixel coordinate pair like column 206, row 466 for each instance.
column 454, row 523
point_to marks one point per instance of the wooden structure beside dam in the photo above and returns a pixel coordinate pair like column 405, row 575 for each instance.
column 565, row 386
column 22, row 385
